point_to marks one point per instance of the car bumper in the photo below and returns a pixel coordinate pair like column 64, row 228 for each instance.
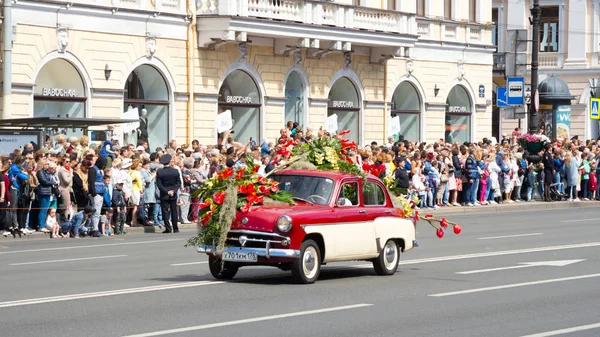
column 262, row 252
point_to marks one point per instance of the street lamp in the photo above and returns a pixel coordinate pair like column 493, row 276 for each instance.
column 594, row 85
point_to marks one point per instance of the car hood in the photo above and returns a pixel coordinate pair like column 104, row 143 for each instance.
column 264, row 217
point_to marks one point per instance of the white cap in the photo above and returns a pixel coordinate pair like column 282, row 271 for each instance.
column 140, row 148
column 126, row 163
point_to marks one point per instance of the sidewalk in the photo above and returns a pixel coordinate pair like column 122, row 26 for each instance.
column 514, row 207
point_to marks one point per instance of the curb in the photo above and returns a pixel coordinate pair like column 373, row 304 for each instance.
column 516, row 207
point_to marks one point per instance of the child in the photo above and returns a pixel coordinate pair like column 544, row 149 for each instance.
column 106, row 221
column 541, row 178
column 107, row 148
column 52, row 224
column 118, row 204
column 530, row 182
column 107, row 197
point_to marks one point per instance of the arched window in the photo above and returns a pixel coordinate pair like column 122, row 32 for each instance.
column 406, row 104
column 59, row 91
column 458, row 116
column 344, row 102
column 294, row 99
column 239, row 93
column 147, row 96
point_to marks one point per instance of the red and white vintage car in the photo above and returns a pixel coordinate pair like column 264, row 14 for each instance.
column 337, row 217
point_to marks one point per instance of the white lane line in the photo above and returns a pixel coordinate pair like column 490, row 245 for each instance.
column 250, row 320
column 106, row 293
column 514, row 285
column 66, row 260
column 187, row 264
column 581, row 220
column 566, row 331
column 90, row 246
column 509, row 236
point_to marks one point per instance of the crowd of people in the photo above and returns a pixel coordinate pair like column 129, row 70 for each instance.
column 71, row 188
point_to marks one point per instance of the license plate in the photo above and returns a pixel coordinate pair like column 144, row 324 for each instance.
column 240, row 257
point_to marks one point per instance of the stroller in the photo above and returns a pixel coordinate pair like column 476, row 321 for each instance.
column 555, row 193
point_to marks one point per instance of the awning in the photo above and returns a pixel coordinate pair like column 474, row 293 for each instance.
column 61, row 122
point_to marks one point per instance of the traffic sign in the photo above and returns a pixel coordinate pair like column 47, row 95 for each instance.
column 594, row 107
column 501, row 97
column 516, row 90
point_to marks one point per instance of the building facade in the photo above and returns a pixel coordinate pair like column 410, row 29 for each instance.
column 568, row 52
column 176, row 65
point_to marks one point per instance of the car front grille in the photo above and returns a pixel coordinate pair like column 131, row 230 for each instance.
column 255, row 239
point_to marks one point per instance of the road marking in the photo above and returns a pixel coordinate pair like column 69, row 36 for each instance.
column 560, row 263
column 187, row 264
column 66, row 260
column 581, row 220
column 106, row 293
column 90, row 246
column 514, row 285
column 251, row 320
column 509, row 236
column 566, row 331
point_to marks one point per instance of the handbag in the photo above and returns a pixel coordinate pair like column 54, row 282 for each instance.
column 444, row 178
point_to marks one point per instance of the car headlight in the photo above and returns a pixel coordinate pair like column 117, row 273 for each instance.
column 284, row 223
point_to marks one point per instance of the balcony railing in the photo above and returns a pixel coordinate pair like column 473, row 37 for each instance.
column 313, row 12
column 453, row 31
column 550, row 60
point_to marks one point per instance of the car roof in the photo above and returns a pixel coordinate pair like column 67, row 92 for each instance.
column 321, row 173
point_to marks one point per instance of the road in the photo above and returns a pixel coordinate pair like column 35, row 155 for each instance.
column 477, row 283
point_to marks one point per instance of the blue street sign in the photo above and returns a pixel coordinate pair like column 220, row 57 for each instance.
column 515, row 90
column 594, row 106
column 501, row 97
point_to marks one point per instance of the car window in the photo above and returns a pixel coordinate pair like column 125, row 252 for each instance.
column 373, row 194
column 348, row 195
column 314, row 189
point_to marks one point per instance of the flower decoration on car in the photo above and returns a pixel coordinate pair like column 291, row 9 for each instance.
column 228, row 192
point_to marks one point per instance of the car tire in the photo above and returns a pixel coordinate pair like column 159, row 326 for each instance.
column 387, row 261
column 307, row 267
column 226, row 273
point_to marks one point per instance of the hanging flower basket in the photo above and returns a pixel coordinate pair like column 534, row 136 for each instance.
column 532, row 143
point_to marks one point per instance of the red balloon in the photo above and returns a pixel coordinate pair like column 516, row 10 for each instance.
column 457, row 229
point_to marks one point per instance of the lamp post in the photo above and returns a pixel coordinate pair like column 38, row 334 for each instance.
column 533, row 114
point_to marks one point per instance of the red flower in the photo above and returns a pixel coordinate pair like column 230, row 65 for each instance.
column 205, row 204
column 283, row 151
column 261, row 180
column 205, row 219
column 440, row 233
column 250, row 189
column 457, row 229
column 282, row 140
column 289, row 143
column 417, row 215
column 264, row 190
column 240, row 173
column 226, row 173
column 246, row 208
column 255, row 168
column 274, row 188
column 344, row 132
column 259, row 199
column 219, row 197
column 242, row 189
column 428, row 216
column 251, row 198
column 444, row 223
column 349, row 160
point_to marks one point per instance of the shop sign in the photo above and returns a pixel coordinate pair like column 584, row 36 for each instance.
column 343, row 104
column 457, row 109
column 238, row 99
column 59, row 92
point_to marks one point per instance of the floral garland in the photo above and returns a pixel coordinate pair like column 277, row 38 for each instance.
column 228, row 192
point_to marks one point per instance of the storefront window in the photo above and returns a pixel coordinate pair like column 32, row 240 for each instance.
column 59, row 92
column 458, row 116
column 239, row 93
column 294, row 99
column 344, row 102
column 146, row 91
column 406, row 104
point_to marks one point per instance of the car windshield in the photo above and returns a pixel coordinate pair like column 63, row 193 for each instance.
column 312, row 189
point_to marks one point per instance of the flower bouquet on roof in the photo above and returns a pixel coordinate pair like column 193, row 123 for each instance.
column 228, row 192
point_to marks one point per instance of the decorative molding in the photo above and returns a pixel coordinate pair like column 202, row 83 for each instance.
column 409, row 68
column 298, row 58
column 375, row 105
column 461, row 70
column 182, row 96
column 270, row 100
column 150, row 45
column 62, row 37
column 347, row 60
column 436, row 106
column 322, row 102
column 207, row 98
column 107, row 93
column 22, row 88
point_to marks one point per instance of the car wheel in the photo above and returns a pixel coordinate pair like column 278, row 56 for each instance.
column 226, row 273
column 307, row 267
column 387, row 261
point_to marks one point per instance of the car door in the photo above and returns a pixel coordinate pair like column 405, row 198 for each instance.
column 355, row 237
column 375, row 206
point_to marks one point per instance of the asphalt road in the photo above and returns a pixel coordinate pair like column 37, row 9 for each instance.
column 477, row 283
